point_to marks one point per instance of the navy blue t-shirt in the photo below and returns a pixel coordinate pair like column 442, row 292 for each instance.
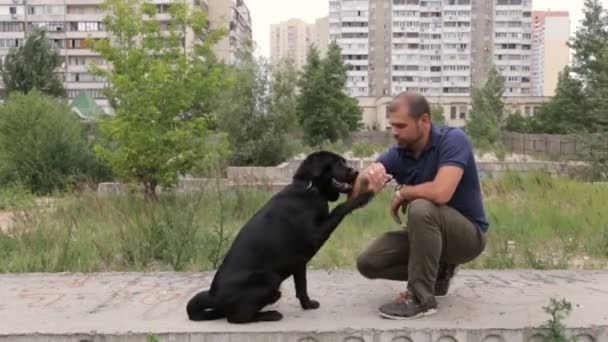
column 447, row 146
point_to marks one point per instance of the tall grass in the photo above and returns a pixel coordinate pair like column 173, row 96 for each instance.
column 536, row 221
column 88, row 234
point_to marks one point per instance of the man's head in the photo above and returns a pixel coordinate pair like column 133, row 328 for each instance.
column 410, row 119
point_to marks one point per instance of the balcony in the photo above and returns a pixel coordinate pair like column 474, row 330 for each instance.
column 85, row 17
column 84, row 2
column 359, row 62
column 12, row 35
column 355, row 30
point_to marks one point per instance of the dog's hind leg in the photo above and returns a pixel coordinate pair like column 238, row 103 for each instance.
column 268, row 316
column 202, row 308
column 247, row 308
column 249, row 314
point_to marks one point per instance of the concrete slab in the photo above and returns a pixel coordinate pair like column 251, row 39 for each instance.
column 483, row 306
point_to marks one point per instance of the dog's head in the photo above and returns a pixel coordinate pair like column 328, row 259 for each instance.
column 329, row 173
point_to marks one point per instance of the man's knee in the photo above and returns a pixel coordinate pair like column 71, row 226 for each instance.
column 366, row 267
column 421, row 209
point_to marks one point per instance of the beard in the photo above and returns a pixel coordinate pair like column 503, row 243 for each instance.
column 410, row 142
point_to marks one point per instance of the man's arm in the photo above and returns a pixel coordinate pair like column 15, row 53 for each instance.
column 440, row 190
column 455, row 151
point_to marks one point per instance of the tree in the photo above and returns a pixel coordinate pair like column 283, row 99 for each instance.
column 325, row 111
column 437, row 115
column 484, row 123
column 32, row 66
column 41, row 143
column 517, row 123
column 591, row 67
column 567, row 111
column 284, row 96
column 256, row 114
column 589, row 40
column 596, row 135
column 160, row 91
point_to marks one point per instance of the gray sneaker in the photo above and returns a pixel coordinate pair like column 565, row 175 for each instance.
column 442, row 284
column 406, row 306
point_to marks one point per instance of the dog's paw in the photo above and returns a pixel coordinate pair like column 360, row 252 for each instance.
column 275, row 297
column 363, row 199
column 310, row 305
column 270, row 316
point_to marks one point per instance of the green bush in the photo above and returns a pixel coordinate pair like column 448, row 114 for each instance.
column 15, row 195
column 42, row 145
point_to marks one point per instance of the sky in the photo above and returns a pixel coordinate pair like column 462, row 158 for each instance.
column 267, row 12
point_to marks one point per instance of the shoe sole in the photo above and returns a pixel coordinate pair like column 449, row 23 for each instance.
column 426, row 313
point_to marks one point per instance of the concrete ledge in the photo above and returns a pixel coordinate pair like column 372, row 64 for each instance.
column 483, row 306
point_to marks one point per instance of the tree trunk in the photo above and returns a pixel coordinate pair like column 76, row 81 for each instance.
column 150, row 190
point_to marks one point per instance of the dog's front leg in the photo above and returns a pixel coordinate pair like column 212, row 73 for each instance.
column 299, row 278
column 336, row 216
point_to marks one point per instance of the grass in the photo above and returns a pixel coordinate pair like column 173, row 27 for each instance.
column 536, row 222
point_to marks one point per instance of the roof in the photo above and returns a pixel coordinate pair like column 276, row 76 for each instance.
column 85, row 106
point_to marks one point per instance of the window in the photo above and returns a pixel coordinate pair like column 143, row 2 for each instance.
column 9, row 43
column 46, row 10
column 11, row 27
column 76, row 43
column 453, row 112
column 95, row 93
column 462, row 112
column 49, row 26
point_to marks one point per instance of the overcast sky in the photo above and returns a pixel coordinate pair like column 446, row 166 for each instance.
column 267, row 12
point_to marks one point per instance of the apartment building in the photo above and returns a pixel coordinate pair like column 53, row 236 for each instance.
column 550, row 51
column 435, row 47
column 69, row 23
column 455, row 109
column 234, row 16
column 349, row 23
column 513, row 45
column 291, row 39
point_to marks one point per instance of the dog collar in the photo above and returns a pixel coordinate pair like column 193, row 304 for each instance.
column 307, row 184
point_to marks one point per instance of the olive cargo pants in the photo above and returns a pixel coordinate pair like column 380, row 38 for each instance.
column 435, row 235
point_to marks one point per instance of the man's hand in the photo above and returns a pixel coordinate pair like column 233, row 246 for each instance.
column 373, row 178
column 400, row 200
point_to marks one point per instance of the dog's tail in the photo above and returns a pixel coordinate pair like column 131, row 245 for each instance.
column 202, row 308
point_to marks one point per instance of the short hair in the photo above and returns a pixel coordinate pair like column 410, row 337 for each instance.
column 415, row 104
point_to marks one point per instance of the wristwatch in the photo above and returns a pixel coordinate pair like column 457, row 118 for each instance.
column 398, row 190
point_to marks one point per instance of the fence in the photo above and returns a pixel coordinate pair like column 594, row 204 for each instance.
column 548, row 144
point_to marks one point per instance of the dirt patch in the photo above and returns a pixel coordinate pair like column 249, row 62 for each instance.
column 6, row 220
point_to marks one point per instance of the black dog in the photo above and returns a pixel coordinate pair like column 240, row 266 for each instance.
column 278, row 242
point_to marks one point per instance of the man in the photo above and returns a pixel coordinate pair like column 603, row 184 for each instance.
column 446, row 224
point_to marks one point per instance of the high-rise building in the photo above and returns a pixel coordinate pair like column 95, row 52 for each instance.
column 69, row 23
column 234, row 16
column 321, row 35
column 550, row 34
column 292, row 38
column 513, row 44
column 67, row 28
column 435, row 47
column 349, row 25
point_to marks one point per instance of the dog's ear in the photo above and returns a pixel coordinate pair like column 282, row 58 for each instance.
column 318, row 165
column 313, row 167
